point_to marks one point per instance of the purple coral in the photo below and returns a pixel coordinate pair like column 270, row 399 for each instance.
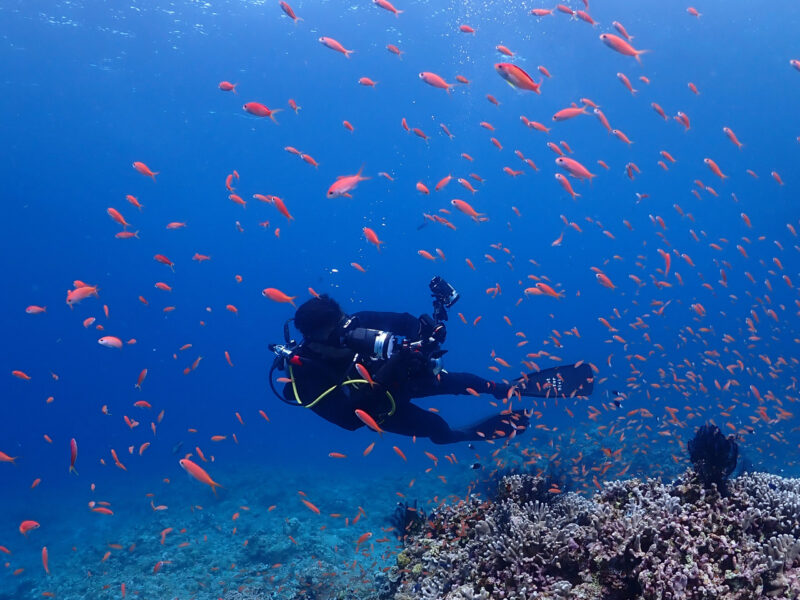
column 635, row 539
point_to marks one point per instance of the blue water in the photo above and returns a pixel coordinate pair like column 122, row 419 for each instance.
column 90, row 88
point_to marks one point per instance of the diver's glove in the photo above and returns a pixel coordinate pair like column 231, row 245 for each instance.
column 417, row 364
column 429, row 330
column 400, row 365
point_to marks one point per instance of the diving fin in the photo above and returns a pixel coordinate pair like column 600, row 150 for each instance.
column 559, row 382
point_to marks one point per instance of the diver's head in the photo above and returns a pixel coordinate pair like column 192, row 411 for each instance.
column 318, row 318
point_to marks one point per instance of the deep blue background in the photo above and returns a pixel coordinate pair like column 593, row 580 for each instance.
column 90, row 88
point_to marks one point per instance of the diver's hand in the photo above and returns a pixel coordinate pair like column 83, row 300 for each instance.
column 426, row 327
column 392, row 369
column 400, row 365
column 439, row 334
column 417, row 364
column 429, row 330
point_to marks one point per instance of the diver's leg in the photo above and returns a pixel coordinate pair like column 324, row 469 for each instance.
column 456, row 384
column 413, row 420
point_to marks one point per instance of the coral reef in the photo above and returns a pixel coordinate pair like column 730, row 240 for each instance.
column 635, row 539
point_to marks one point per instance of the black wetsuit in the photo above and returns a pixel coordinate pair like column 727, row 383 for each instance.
column 324, row 369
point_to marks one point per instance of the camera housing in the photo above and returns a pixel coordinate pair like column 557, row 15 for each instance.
column 381, row 345
column 374, row 343
column 443, row 291
column 444, row 296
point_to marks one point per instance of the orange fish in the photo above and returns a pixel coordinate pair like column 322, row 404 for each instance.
column 468, row 210
column 372, row 237
column 109, row 341
column 368, row 420
column 436, row 81
column 426, row 255
column 27, row 526
column 144, row 170
column 344, row 184
column 259, row 110
column 73, row 455
column 74, row 296
column 574, row 168
column 442, row 183
column 139, row 381
column 714, row 168
column 6, row 458
column 278, row 296
column 619, row 45
column 198, row 473
column 566, row 185
column 334, row 45
column 310, row 160
column 570, row 113
column 604, row 280
column 133, row 200
column 289, row 11
column 548, row 291
column 732, row 137
column 619, row 27
column 364, row 536
column 115, row 214
column 627, row 83
column 164, row 261
column 517, row 77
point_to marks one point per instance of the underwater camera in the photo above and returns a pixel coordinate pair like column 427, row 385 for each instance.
column 381, row 345
column 372, row 343
column 444, row 296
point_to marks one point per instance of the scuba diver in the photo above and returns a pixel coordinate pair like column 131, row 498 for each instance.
column 366, row 368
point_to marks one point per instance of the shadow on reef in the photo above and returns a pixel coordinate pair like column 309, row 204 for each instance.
column 713, row 456
column 698, row 538
column 407, row 520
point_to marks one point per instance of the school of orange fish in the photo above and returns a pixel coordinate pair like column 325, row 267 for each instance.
column 739, row 377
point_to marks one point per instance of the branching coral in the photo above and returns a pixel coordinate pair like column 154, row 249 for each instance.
column 634, row 539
